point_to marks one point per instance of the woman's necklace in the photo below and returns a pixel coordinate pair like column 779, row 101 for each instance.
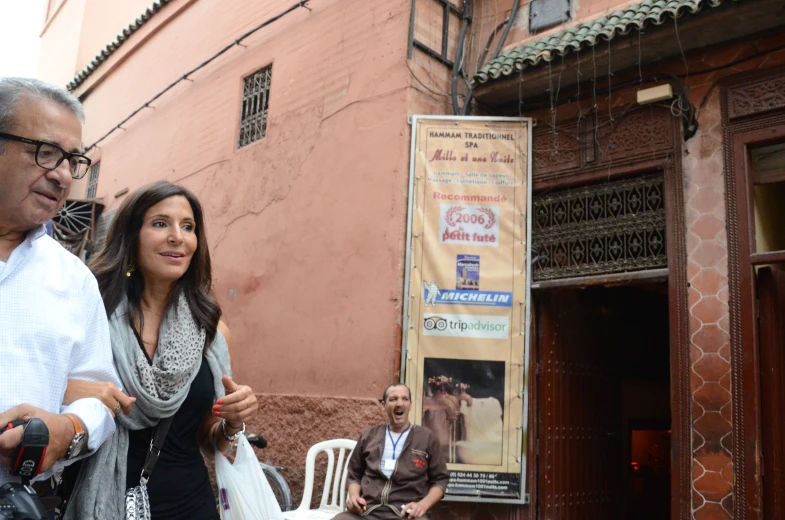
column 153, row 343
column 160, row 315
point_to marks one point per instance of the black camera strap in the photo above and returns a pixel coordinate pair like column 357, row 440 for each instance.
column 28, row 456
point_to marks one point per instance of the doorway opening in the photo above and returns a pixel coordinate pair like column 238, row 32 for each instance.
column 604, row 414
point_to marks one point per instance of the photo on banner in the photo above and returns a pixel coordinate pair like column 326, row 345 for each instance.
column 467, row 298
column 475, row 389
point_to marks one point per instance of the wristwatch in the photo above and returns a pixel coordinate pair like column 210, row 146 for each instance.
column 79, row 442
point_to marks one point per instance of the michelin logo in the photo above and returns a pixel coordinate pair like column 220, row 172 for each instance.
column 433, row 295
column 466, row 326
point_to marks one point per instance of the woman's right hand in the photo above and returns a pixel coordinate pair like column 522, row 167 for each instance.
column 107, row 393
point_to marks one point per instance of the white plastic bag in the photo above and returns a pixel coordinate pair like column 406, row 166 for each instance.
column 243, row 489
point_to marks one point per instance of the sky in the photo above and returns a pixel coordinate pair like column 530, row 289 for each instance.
column 21, row 22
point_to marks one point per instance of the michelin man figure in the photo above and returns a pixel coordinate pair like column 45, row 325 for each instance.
column 433, row 292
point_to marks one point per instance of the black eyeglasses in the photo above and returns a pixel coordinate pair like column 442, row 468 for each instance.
column 49, row 156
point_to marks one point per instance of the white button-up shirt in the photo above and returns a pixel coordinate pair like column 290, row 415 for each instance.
column 53, row 327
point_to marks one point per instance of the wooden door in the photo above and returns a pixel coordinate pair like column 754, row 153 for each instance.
column 580, row 443
column 771, row 337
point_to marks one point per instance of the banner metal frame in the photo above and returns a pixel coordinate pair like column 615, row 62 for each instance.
column 523, row 455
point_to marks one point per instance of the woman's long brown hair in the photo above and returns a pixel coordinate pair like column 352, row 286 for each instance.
column 120, row 251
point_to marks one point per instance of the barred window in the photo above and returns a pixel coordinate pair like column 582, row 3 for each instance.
column 253, row 112
column 92, row 182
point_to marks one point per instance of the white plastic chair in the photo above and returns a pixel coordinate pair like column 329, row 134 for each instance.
column 334, row 491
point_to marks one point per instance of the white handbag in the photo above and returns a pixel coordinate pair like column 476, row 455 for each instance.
column 243, row 490
column 137, row 502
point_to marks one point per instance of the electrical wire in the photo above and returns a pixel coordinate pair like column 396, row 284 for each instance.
column 731, row 64
column 426, row 87
column 681, row 48
column 735, row 62
column 481, row 61
column 458, row 63
column 658, row 76
column 185, row 77
column 510, row 21
column 685, row 108
column 499, row 46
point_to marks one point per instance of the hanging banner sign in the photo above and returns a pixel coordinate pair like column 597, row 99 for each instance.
column 467, row 298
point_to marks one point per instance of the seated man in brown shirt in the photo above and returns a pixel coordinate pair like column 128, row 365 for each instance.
column 397, row 469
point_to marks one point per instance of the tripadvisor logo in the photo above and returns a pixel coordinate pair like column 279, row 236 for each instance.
column 466, row 325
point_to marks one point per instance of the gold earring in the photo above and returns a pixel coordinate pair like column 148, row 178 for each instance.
column 130, row 271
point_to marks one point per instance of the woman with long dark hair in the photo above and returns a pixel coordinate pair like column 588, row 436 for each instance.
column 171, row 351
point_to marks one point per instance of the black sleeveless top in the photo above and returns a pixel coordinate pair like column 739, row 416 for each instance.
column 179, row 486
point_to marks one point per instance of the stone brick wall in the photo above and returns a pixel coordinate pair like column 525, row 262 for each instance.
column 293, row 423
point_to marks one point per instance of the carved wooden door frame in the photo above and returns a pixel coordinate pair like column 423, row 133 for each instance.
column 589, row 150
column 753, row 111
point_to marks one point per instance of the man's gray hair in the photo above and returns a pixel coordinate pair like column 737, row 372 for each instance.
column 12, row 88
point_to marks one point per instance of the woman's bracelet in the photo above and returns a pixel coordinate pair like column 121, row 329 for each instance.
column 231, row 438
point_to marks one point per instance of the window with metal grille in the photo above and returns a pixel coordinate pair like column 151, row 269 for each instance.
column 92, row 182
column 607, row 228
column 253, row 111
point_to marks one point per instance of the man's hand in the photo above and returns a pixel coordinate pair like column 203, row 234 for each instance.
column 418, row 509
column 354, row 502
column 413, row 510
column 356, row 505
column 61, row 432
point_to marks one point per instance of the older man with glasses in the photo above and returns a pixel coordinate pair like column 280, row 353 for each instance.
column 53, row 326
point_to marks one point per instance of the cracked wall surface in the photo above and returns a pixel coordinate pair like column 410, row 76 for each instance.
column 306, row 227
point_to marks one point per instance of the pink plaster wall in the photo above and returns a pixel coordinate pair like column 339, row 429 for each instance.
column 105, row 20
column 60, row 43
column 307, row 226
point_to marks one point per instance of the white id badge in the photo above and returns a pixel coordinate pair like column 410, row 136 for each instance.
column 389, row 464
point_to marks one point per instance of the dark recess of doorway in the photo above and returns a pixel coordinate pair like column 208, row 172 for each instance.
column 604, row 394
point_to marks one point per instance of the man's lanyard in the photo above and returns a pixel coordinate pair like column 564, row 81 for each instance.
column 395, row 442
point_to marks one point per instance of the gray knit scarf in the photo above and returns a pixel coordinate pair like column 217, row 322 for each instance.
column 159, row 389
